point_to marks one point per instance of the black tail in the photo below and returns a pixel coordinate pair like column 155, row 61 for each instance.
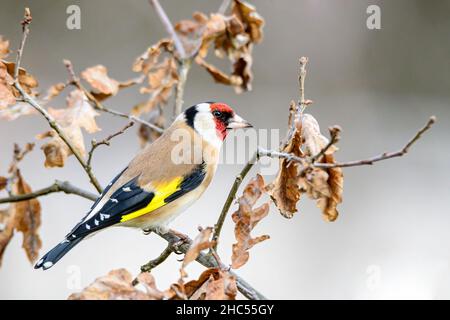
column 57, row 253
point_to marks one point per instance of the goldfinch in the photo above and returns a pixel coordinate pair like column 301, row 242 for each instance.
column 156, row 186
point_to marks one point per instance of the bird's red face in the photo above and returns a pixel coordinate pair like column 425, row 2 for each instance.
column 225, row 119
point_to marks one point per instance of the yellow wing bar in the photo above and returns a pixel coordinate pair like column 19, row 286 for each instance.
column 162, row 190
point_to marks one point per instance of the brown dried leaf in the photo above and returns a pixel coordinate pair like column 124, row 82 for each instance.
column 145, row 62
column 7, row 96
column 26, row 80
column 3, row 183
column 148, row 135
column 117, row 285
column 285, row 191
column 201, row 242
column 54, row 91
column 27, row 219
column 252, row 20
column 4, row 47
column 6, row 229
column 79, row 112
column 213, row 284
column 97, row 77
column 16, row 110
column 218, row 75
column 323, row 185
column 245, row 219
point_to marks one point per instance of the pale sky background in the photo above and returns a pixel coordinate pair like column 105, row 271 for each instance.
column 392, row 238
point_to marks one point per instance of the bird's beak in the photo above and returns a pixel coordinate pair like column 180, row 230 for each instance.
column 237, row 123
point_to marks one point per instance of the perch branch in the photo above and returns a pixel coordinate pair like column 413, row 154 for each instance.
column 158, row 260
column 224, row 6
column 105, row 141
column 383, row 156
column 231, row 196
column 169, row 28
column 74, row 80
column 51, row 121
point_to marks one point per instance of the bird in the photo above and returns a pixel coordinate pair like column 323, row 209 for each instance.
column 162, row 180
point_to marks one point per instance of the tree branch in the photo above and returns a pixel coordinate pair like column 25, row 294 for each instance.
column 105, row 141
column 185, row 65
column 231, row 196
column 383, row 156
column 74, row 80
column 169, row 28
column 158, row 260
column 57, row 186
column 51, row 121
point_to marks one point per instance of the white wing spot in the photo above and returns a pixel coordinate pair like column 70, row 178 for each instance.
column 96, row 222
column 64, row 241
column 104, row 216
column 74, row 236
column 48, row 264
column 88, row 226
column 40, row 262
column 126, row 189
column 114, row 200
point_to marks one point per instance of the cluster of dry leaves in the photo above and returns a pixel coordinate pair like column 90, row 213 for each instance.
column 294, row 178
column 23, row 216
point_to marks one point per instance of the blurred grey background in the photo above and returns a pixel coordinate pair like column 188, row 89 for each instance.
column 392, row 238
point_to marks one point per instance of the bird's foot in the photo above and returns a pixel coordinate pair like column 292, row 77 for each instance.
column 183, row 239
column 147, row 231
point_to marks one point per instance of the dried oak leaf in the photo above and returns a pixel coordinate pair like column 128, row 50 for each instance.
column 245, row 219
column 117, row 285
column 161, row 79
column 27, row 219
column 77, row 115
column 285, row 191
column 4, row 47
column 3, row 183
column 97, row 77
column 252, row 20
column 53, row 92
column 146, row 61
column 6, row 229
column 27, row 81
column 213, row 284
column 323, row 185
column 16, row 110
column 7, row 97
column 218, row 75
column 201, row 242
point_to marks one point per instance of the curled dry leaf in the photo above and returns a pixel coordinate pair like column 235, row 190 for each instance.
column 213, row 284
column 7, row 97
column 4, row 47
column 77, row 115
column 27, row 219
column 53, row 92
column 26, row 80
column 117, row 285
column 218, row 75
column 6, row 229
column 245, row 219
column 252, row 20
column 323, row 185
column 201, row 242
column 97, row 77
column 3, row 183
column 285, row 191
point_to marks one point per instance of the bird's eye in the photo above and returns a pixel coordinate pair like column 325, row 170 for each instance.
column 217, row 114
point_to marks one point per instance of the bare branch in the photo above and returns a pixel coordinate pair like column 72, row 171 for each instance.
column 383, row 156
column 169, row 28
column 74, row 80
column 224, row 6
column 185, row 65
column 25, row 31
column 230, row 198
column 105, row 141
column 57, row 186
column 158, row 260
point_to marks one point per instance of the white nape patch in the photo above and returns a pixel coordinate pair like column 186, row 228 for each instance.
column 96, row 222
column 114, row 200
column 48, row 264
column 88, row 226
column 205, row 125
column 126, row 189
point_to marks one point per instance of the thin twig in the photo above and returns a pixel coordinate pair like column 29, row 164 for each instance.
column 25, row 31
column 169, row 28
column 383, row 156
column 95, row 144
column 334, row 138
column 74, row 80
column 230, row 198
column 224, row 6
column 52, row 122
column 185, row 65
column 158, row 260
